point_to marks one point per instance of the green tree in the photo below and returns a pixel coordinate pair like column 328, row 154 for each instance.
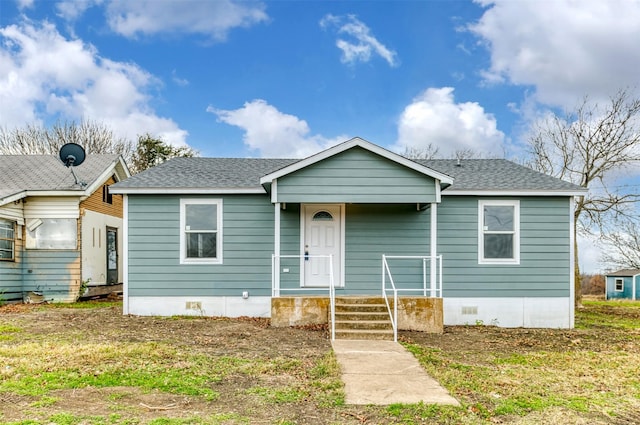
column 152, row 151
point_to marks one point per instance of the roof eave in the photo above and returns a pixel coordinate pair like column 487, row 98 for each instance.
column 513, row 192
column 187, row 190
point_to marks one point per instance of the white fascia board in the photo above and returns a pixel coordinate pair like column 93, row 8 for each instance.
column 12, row 198
column 511, row 193
column 356, row 141
column 125, row 168
column 191, row 191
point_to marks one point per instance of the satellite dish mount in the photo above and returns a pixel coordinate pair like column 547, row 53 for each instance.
column 72, row 154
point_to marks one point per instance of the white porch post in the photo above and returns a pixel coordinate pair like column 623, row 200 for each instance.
column 276, row 239
column 276, row 250
column 125, row 254
column 433, row 244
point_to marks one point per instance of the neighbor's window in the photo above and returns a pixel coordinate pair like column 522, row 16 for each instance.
column 7, row 240
column 619, row 285
column 201, row 231
column 499, row 232
column 52, row 233
column 107, row 197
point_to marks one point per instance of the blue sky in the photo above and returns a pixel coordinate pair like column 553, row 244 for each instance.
column 287, row 78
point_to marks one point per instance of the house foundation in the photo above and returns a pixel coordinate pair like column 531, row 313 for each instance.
column 414, row 313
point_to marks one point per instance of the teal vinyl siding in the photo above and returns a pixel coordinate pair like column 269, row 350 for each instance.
column 154, row 248
column 357, row 176
column 373, row 230
column 11, row 280
column 290, row 245
column 544, row 269
column 627, row 289
column 55, row 273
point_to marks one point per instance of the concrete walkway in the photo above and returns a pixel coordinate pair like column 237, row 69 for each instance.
column 384, row 372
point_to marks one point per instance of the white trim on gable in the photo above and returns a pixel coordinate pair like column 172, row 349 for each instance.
column 108, row 172
column 356, row 141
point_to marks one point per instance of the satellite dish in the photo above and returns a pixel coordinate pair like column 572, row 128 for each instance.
column 72, row 154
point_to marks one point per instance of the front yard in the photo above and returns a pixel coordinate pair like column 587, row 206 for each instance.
column 87, row 364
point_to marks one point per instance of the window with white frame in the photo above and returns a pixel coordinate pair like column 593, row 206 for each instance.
column 201, row 231
column 499, row 232
column 52, row 233
column 7, row 240
column 619, row 284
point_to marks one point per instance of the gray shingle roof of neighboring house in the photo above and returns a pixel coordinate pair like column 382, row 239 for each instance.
column 21, row 173
column 625, row 272
column 245, row 173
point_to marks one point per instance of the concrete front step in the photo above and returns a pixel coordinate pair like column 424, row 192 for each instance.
column 362, row 315
column 372, row 308
column 347, row 325
column 362, row 318
column 359, row 334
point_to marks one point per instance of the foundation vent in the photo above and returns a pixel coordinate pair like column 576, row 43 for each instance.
column 469, row 309
column 193, row 305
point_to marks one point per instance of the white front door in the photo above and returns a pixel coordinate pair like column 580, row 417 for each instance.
column 322, row 235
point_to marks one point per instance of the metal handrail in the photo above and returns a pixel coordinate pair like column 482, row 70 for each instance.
column 435, row 288
column 392, row 315
column 275, row 291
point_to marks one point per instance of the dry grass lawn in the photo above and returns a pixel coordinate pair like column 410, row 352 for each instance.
column 86, row 363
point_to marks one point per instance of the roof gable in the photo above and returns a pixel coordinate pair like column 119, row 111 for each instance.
column 350, row 144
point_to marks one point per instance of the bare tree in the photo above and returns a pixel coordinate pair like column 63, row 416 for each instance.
column 622, row 248
column 94, row 137
column 428, row 152
column 587, row 147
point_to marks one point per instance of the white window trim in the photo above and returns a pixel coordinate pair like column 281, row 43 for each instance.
column 13, row 250
column 183, row 245
column 516, row 232
column 615, row 284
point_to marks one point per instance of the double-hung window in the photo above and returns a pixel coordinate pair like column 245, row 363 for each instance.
column 619, row 285
column 7, row 240
column 499, row 232
column 201, row 231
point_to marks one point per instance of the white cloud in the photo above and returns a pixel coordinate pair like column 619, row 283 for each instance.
column 272, row 133
column 434, row 117
column 565, row 49
column 182, row 82
column 73, row 9
column 43, row 75
column 211, row 18
column 25, row 4
column 362, row 44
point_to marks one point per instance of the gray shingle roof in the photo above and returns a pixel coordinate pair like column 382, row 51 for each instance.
column 206, row 173
column 495, row 174
column 625, row 272
column 19, row 173
column 245, row 173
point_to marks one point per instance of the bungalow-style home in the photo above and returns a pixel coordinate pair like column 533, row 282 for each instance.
column 487, row 240
column 623, row 284
column 59, row 232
